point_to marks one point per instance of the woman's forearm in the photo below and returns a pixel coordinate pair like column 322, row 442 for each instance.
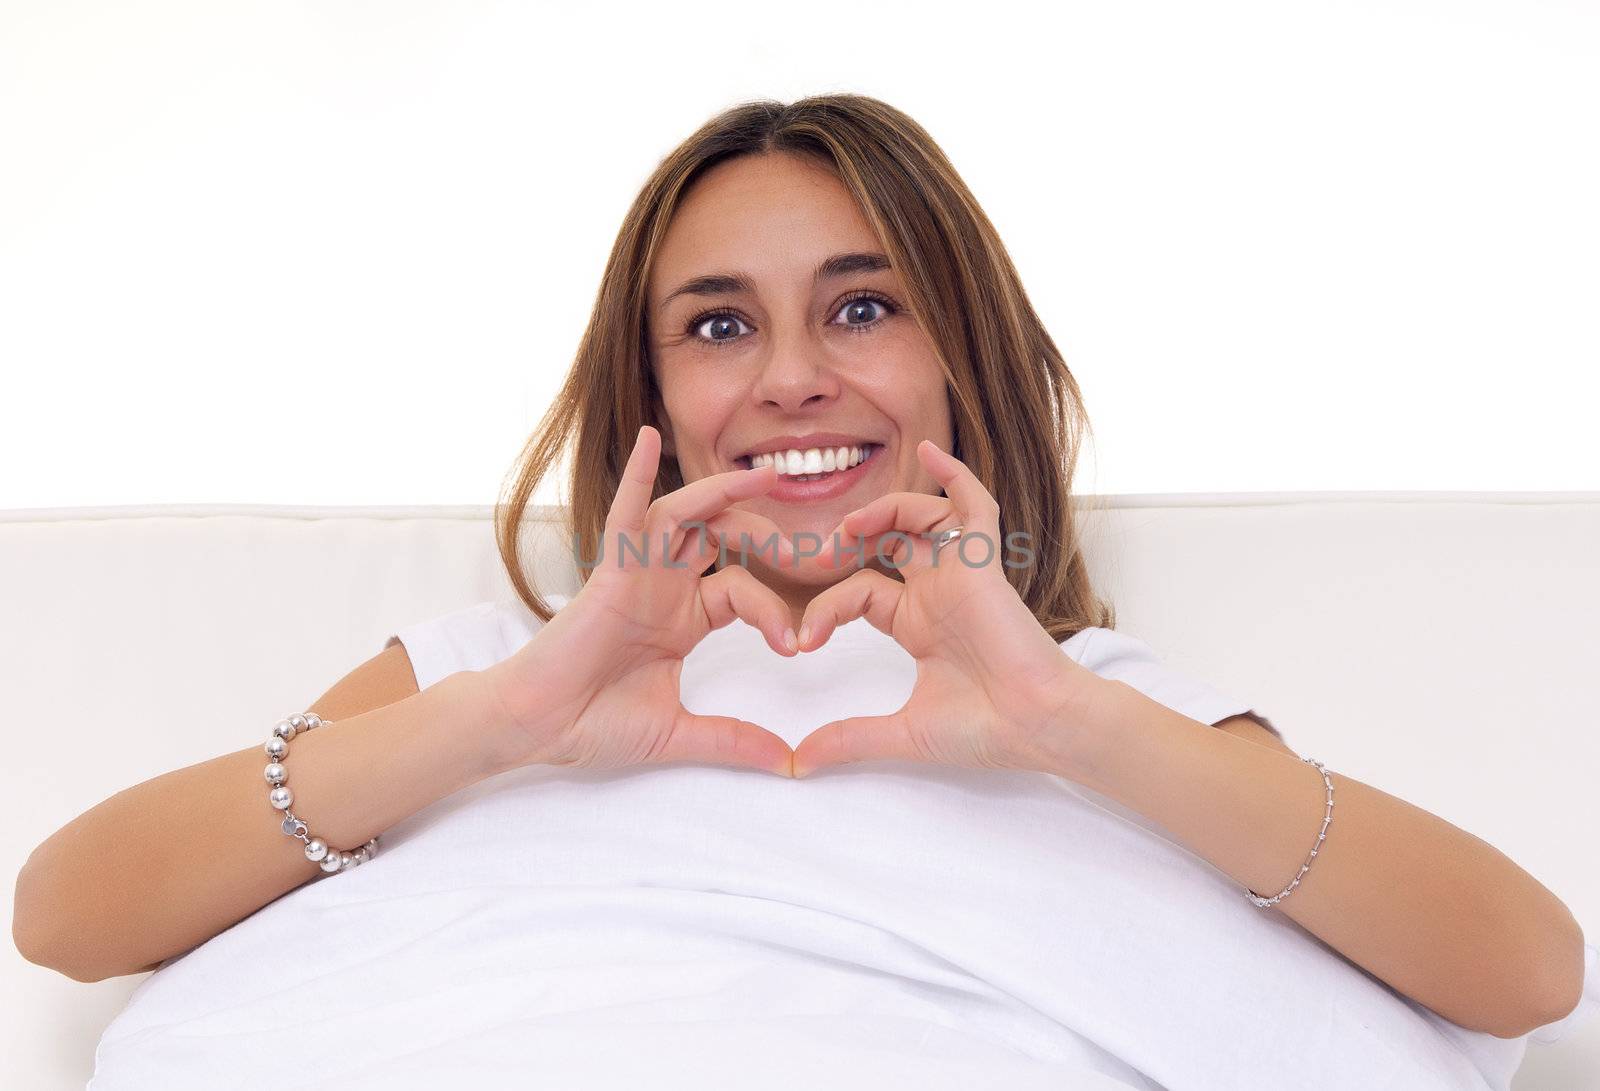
column 165, row 865
column 1440, row 915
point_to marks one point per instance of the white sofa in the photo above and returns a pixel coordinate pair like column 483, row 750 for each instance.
column 1441, row 646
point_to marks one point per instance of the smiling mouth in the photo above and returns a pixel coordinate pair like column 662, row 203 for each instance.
column 812, row 464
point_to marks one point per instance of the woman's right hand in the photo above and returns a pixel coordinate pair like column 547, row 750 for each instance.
column 597, row 686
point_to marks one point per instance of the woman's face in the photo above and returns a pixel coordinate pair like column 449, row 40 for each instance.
column 776, row 327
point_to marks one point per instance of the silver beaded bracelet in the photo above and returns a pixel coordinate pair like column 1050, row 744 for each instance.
column 1322, row 834
column 317, row 850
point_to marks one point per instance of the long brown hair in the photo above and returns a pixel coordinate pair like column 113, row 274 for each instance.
column 1016, row 408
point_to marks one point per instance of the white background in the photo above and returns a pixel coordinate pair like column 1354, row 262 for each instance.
column 342, row 252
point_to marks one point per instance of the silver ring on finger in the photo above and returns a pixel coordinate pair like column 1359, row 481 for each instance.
column 945, row 537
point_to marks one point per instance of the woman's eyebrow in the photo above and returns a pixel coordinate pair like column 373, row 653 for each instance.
column 838, row 265
column 841, row 265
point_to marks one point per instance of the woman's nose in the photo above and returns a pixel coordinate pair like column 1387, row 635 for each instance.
column 794, row 375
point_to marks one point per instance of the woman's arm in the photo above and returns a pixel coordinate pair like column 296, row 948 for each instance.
column 165, row 865
column 1441, row 916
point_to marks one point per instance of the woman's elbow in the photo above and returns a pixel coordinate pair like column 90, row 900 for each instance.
column 1555, row 979
column 39, row 932
column 29, row 927
column 41, row 948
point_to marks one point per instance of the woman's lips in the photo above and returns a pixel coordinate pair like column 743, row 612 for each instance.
column 789, row 490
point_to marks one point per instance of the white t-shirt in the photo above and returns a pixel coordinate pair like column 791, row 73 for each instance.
column 886, row 924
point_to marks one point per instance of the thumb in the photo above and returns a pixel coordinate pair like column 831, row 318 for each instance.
column 724, row 740
column 859, row 738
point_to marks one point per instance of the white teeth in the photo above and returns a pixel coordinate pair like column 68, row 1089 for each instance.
column 816, row 460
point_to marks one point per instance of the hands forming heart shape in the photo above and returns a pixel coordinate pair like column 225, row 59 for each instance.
column 597, row 686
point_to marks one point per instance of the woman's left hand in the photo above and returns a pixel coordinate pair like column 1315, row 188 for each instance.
column 993, row 690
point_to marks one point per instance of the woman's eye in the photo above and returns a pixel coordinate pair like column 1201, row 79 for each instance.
column 719, row 327
column 862, row 312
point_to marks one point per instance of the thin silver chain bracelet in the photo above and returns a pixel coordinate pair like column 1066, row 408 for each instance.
column 1322, row 834
column 317, row 850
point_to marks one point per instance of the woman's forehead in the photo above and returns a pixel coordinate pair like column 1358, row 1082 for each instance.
column 766, row 218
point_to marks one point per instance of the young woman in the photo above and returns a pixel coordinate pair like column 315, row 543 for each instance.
column 885, row 798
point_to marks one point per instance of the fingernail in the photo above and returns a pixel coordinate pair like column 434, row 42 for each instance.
column 790, row 641
column 805, row 633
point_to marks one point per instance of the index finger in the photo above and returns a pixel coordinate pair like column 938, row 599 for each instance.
column 978, row 509
column 700, row 500
column 632, row 500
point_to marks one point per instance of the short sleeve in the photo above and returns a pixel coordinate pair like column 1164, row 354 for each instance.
column 469, row 639
column 1128, row 659
column 465, row 639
